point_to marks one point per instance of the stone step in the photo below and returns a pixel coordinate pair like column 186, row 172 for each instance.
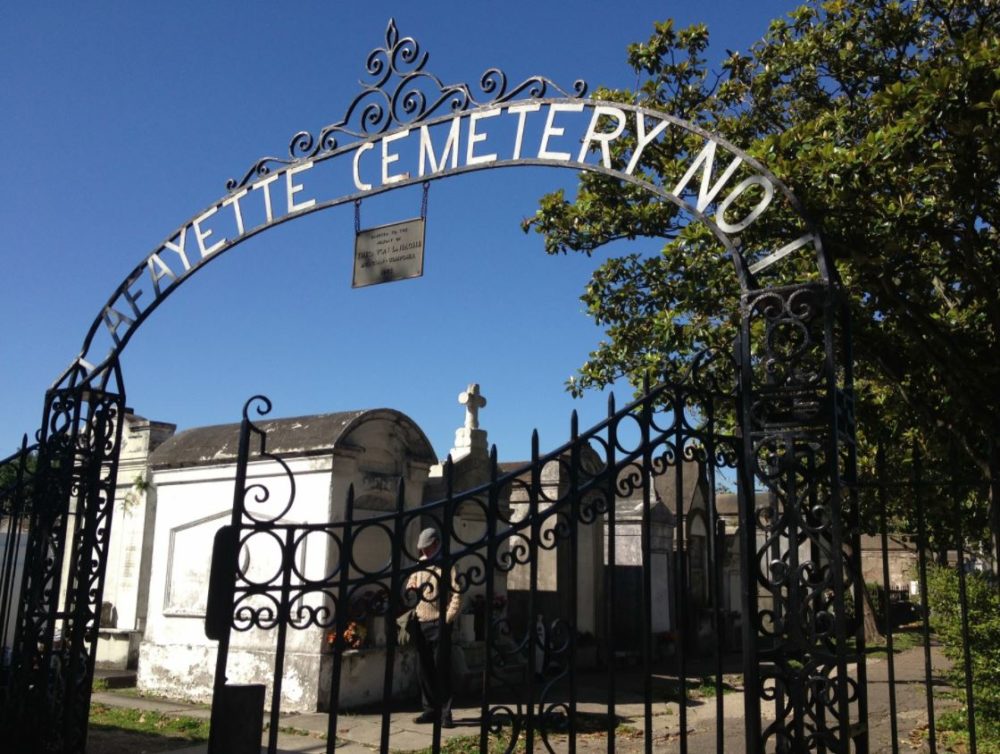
column 114, row 678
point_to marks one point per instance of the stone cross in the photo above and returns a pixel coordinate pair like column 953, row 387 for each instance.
column 472, row 401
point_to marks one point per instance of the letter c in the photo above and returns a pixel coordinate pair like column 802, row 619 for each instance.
column 357, row 176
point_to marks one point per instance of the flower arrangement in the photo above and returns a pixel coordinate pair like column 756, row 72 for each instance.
column 354, row 636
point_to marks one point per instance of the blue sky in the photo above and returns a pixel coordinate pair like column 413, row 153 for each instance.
column 122, row 120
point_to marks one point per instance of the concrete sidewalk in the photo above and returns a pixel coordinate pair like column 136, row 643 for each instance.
column 360, row 733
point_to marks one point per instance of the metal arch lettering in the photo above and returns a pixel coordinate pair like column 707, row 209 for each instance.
column 398, row 132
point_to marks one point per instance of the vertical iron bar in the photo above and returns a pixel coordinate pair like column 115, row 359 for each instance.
column 963, row 601
column 342, row 610
column 922, row 562
column 647, row 570
column 236, row 517
column 844, row 435
column 612, row 470
column 793, row 632
column 492, row 550
column 574, row 547
column 444, row 590
column 284, row 616
column 837, row 565
column 10, row 567
column 779, row 508
column 532, row 632
column 817, row 556
column 880, row 472
column 747, row 503
column 681, row 557
column 392, row 610
column 716, row 541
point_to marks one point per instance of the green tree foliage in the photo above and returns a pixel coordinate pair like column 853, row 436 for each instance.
column 881, row 116
column 984, row 644
column 16, row 473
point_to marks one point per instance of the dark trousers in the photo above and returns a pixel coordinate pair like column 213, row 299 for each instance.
column 435, row 667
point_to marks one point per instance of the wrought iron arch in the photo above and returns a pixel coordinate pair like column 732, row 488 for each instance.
column 389, row 108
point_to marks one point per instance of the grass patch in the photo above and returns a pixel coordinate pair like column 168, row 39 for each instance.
column 953, row 732
column 901, row 642
column 696, row 689
column 147, row 722
column 706, row 688
column 132, row 692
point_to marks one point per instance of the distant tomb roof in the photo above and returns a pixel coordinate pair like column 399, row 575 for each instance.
column 296, row 436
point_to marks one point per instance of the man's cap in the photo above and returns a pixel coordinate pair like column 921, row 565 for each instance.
column 427, row 538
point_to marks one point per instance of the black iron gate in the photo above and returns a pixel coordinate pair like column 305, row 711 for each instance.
column 794, row 552
column 56, row 517
column 630, row 462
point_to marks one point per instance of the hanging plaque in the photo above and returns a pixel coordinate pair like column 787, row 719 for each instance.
column 389, row 252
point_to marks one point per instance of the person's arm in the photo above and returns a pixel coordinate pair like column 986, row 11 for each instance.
column 411, row 585
column 455, row 603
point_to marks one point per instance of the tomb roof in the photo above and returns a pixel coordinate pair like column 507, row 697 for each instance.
column 316, row 434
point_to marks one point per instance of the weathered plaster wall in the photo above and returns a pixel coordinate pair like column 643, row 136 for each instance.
column 176, row 659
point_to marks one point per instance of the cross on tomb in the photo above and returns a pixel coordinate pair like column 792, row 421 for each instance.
column 472, row 401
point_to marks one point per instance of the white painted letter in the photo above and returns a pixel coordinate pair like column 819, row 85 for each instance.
column 357, row 158
column 201, row 235
column 605, row 138
column 388, row 158
column 474, row 138
column 522, row 111
column 706, row 194
column 450, row 148
column 754, row 180
column 158, row 270
column 643, row 139
column 783, row 252
column 294, row 188
column 133, row 297
column 266, row 185
column 550, row 130
column 179, row 248
column 235, row 201
column 112, row 319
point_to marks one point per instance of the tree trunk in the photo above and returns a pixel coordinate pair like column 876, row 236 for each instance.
column 874, row 629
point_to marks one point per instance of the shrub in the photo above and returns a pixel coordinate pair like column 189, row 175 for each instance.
column 984, row 639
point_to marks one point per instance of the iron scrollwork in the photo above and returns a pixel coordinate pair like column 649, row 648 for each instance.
column 71, row 505
column 531, row 657
column 804, row 565
column 401, row 92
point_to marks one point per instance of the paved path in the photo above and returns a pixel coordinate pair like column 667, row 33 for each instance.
column 361, row 733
